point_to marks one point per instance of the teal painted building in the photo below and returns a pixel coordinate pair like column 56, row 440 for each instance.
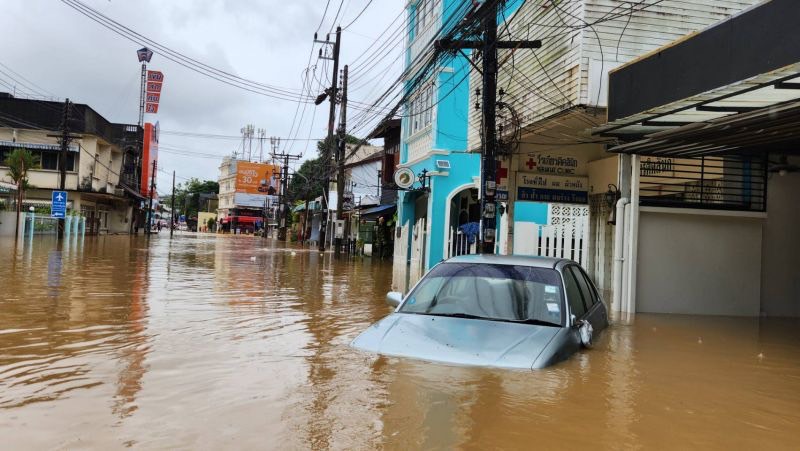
column 434, row 140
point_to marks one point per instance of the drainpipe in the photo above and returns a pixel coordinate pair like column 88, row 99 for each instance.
column 633, row 244
column 619, row 246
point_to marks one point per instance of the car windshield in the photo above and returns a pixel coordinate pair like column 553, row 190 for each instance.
column 495, row 292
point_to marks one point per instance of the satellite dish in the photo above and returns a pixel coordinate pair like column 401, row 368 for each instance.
column 404, row 178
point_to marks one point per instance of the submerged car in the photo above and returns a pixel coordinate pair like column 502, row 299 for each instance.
column 500, row 311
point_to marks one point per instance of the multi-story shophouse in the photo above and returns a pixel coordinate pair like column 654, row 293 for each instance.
column 433, row 143
column 103, row 167
column 560, row 184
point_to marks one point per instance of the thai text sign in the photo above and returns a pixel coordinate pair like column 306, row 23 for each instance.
column 555, row 164
column 257, row 178
column 552, row 188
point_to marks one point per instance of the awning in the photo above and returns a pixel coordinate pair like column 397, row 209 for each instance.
column 769, row 128
column 376, row 212
column 133, row 193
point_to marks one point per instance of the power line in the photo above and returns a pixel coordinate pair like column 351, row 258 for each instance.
column 183, row 60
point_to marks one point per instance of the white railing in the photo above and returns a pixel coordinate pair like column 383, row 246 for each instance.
column 548, row 240
column 458, row 243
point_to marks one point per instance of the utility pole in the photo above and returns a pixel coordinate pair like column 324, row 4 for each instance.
column 487, row 14
column 172, row 208
column 283, row 207
column 331, row 94
column 65, row 137
column 489, row 158
column 340, row 156
column 150, row 205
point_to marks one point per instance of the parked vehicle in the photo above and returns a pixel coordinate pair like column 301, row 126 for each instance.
column 486, row 310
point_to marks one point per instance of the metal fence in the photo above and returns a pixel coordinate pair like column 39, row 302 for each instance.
column 717, row 183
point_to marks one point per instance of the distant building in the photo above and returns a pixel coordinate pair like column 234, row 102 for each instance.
column 248, row 193
column 103, row 166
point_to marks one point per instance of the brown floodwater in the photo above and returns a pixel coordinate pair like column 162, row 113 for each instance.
column 234, row 342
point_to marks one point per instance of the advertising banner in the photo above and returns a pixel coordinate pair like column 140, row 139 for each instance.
column 151, row 108
column 153, row 87
column 552, row 188
column 254, row 200
column 152, row 97
column 257, row 178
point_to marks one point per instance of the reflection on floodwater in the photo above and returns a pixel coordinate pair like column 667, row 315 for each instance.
column 240, row 343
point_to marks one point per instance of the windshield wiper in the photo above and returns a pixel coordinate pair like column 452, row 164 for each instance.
column 517, row 321
column 458, row 315
column 537, row 322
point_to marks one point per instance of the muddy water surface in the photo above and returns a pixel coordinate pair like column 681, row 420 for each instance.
column 204, row 342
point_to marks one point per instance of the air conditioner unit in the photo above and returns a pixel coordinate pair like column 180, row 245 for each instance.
column 442, row 164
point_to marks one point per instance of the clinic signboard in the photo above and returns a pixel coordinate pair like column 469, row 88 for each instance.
column 552, row 188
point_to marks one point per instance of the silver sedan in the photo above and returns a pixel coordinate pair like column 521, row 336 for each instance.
column 500, row 311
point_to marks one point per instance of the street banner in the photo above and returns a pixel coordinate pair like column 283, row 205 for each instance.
column 156, row 76
column 153, row 86
column 152, row 97
column 58, row 207
column 151, row 108
column 552, row 188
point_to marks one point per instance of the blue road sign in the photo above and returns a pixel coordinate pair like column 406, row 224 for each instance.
column 59, row 208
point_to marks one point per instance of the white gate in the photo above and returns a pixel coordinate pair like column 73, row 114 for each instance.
column 458, row 243
column 569, row 240
column 400, row 265
column 417, row 267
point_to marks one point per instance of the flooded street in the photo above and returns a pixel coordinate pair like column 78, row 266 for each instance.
column 232, row 342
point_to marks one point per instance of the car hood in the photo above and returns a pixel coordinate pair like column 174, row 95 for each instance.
column 457, row 340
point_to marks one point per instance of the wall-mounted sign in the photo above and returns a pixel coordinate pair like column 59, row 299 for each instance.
column 552, row 188
column 553, row 163
column 502, row 181
column 657, row 166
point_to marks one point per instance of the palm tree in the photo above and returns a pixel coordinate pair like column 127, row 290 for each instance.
column 18, row 162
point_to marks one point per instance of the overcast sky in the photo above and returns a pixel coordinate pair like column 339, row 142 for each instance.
column 269, row 41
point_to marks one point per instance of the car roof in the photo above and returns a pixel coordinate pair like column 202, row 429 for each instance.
column 520, row 260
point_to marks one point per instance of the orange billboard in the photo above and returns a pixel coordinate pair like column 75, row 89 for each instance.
column 257, row 178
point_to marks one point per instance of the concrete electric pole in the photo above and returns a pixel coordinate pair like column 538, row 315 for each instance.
column 331, row 150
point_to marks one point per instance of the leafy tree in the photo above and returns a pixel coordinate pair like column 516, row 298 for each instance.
column 187, row 195
column 19, row 161
column 323, row 146
column 308, row 181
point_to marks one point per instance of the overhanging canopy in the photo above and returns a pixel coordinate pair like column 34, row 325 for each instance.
column 766, row 129
column 376, row 212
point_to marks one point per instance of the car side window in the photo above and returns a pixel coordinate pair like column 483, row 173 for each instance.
column 592, row 288
column 586, row 290
column 574, row 296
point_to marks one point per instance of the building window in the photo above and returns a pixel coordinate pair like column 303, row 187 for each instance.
column 44, row 159
column 425, row 15
column 420, row 109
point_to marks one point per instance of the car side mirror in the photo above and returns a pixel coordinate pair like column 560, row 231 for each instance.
column 394, row 298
